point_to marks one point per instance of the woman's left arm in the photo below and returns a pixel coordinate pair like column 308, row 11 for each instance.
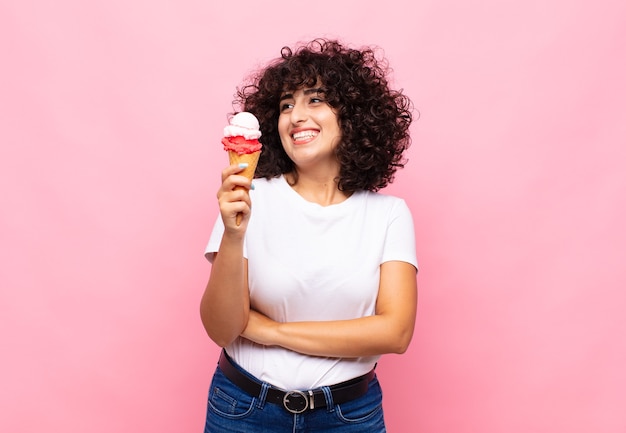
column 389, row 330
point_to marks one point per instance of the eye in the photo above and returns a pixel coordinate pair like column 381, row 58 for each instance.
column 286, row 106
column 318, row 97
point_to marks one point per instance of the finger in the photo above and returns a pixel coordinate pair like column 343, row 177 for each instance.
column 234, row 201
column 234, row 182
column 233, row 169
column 234, row 213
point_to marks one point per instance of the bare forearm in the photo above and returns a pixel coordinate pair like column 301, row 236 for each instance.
column 372, row 335
column 225, row 304
column 347, row 338
column 388, row 331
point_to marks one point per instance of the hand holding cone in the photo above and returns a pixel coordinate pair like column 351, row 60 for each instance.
column 241, row 142
column 251, row 159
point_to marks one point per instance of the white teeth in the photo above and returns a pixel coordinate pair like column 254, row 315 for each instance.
column 304, row 135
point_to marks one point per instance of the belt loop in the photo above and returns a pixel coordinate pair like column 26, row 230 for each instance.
column 263, row 395
column 330, row 405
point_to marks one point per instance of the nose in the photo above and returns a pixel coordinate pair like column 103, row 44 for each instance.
column 299, row 113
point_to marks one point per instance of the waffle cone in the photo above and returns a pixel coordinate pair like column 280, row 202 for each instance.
column 252, row 159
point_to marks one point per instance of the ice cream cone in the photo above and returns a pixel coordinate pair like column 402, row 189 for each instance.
column 251, row 159
column 241, row 140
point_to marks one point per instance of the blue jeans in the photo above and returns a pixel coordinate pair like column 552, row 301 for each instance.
column 232, row 410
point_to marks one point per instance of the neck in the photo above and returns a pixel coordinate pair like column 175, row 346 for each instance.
column 322, row 190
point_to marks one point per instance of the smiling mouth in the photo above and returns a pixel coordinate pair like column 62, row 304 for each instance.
column 304, row 136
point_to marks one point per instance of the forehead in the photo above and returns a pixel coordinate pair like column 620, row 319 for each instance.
column 305, row 91
column 302, row 83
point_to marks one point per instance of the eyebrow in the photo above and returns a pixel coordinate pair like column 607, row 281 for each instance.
column 306, row 93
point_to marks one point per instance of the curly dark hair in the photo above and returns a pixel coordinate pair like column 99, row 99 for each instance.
column 373, row 118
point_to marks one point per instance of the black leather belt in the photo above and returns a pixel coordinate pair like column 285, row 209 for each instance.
column 296, row 401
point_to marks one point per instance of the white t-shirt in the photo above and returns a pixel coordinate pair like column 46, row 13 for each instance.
column 308, row 262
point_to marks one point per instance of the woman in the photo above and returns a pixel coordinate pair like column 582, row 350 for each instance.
column 319, row 279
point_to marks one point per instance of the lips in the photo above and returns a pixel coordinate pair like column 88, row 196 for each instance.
column 304, row 136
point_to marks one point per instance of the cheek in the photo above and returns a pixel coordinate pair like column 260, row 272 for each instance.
column 282, row 131
column 331, row 120
column 334, row 128
column 283, row 124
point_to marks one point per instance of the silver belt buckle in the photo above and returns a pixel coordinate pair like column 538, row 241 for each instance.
column 295, row 401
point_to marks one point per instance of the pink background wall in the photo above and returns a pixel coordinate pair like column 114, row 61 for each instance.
column 110, row 118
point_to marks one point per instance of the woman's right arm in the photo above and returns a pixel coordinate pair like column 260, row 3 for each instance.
column 225, row 305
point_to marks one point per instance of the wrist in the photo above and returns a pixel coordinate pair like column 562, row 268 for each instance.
column 233, row 237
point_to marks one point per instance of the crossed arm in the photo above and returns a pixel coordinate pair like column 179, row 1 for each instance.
column 225, row 306
column 389, row 330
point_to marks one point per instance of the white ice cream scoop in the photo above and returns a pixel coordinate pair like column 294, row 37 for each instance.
column 243, row 124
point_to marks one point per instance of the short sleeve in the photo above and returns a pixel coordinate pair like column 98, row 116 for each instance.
column 216, row 239
column 400, row 238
